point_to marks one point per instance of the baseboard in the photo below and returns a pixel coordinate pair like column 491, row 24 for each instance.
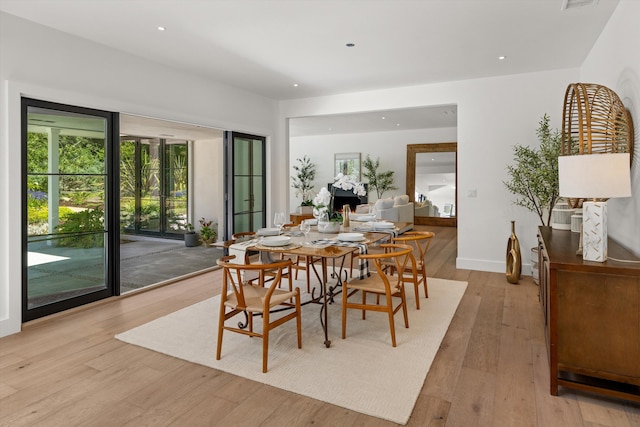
column 490, row 266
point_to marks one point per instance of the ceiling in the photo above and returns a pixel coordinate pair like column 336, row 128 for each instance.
column 378, row 121
column 268, row 46
column 154, row 128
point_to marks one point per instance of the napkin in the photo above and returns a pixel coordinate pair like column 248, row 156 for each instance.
column 240, row 251
column 362, row 247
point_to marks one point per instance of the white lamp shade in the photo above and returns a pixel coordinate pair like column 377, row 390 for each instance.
column 597, row 176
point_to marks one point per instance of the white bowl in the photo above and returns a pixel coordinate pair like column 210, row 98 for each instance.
column 351, row 237
column 276, row 241
column 268, row 232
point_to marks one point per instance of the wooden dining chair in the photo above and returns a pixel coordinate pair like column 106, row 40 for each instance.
column 256, row 299
column 419, row 242
column 381, row 284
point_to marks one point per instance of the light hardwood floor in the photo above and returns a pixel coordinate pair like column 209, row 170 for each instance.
column 491, row 369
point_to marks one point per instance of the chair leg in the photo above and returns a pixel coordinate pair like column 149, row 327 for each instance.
column 392, row 326
column 364, row 301
column 345, row 295
column 298, row 320
column 416, row 287
column 426, row 288
column 404, row 308
column 307, row 268
column 265, row 341
column 220, row 331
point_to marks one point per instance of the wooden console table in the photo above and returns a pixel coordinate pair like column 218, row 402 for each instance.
column 296, row 219
column 592, row 317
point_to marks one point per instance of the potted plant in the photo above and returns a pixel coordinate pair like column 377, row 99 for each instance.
column 191, row 238
column 303, row 183
column 534, row 177
column 379, row 181
column 208, row 232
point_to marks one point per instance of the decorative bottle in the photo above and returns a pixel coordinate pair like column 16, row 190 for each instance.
column 346, row 211
column 514, row 257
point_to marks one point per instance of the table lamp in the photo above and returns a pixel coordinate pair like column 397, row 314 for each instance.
column 594, row 176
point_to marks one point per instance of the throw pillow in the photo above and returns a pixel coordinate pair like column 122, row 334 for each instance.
column 401, row 200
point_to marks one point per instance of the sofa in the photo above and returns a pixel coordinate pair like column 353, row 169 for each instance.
column 426, row 208
column 395, row 209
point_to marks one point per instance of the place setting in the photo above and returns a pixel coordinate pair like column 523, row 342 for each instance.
column 276, row 243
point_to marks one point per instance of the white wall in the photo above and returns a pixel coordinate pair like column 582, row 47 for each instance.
column 493, row 115
column 614, row 62
column 208, row 198
column 42, row 63
column 390, row 147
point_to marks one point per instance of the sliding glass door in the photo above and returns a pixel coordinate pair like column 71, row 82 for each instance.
column 69, row 255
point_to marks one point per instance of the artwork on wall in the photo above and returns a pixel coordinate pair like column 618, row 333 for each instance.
column 347, row 164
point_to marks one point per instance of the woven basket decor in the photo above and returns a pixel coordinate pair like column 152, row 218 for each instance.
column 594, row 120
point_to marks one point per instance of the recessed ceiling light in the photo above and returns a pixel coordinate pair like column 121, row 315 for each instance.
column 383, row 118
column 295, row 85
column 161, row 28
column 502, row 58
column 350, row 44
column 397, row 124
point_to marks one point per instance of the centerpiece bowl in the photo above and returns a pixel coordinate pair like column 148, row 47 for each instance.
column 328, row 226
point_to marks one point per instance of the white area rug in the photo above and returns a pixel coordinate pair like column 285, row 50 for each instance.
column 363, row 372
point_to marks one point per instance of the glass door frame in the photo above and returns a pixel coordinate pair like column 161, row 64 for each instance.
column 230, row 173
column 163, row 231
column 111, row 211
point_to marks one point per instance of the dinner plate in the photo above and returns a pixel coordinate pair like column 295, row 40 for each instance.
column 351, row 237
column 275, row 241
column 382, row 224
column 268, row 232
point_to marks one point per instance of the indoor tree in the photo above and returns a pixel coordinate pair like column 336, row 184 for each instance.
column 379, row 181
column 302, row 181
column 534, row 176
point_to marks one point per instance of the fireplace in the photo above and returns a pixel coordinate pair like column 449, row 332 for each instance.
column 343, row 197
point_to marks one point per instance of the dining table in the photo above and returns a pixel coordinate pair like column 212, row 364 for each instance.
column 325, row 248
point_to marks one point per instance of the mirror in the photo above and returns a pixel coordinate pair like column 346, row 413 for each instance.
column 432, row 180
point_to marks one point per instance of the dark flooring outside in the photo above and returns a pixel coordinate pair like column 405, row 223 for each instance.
column 144, row 261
